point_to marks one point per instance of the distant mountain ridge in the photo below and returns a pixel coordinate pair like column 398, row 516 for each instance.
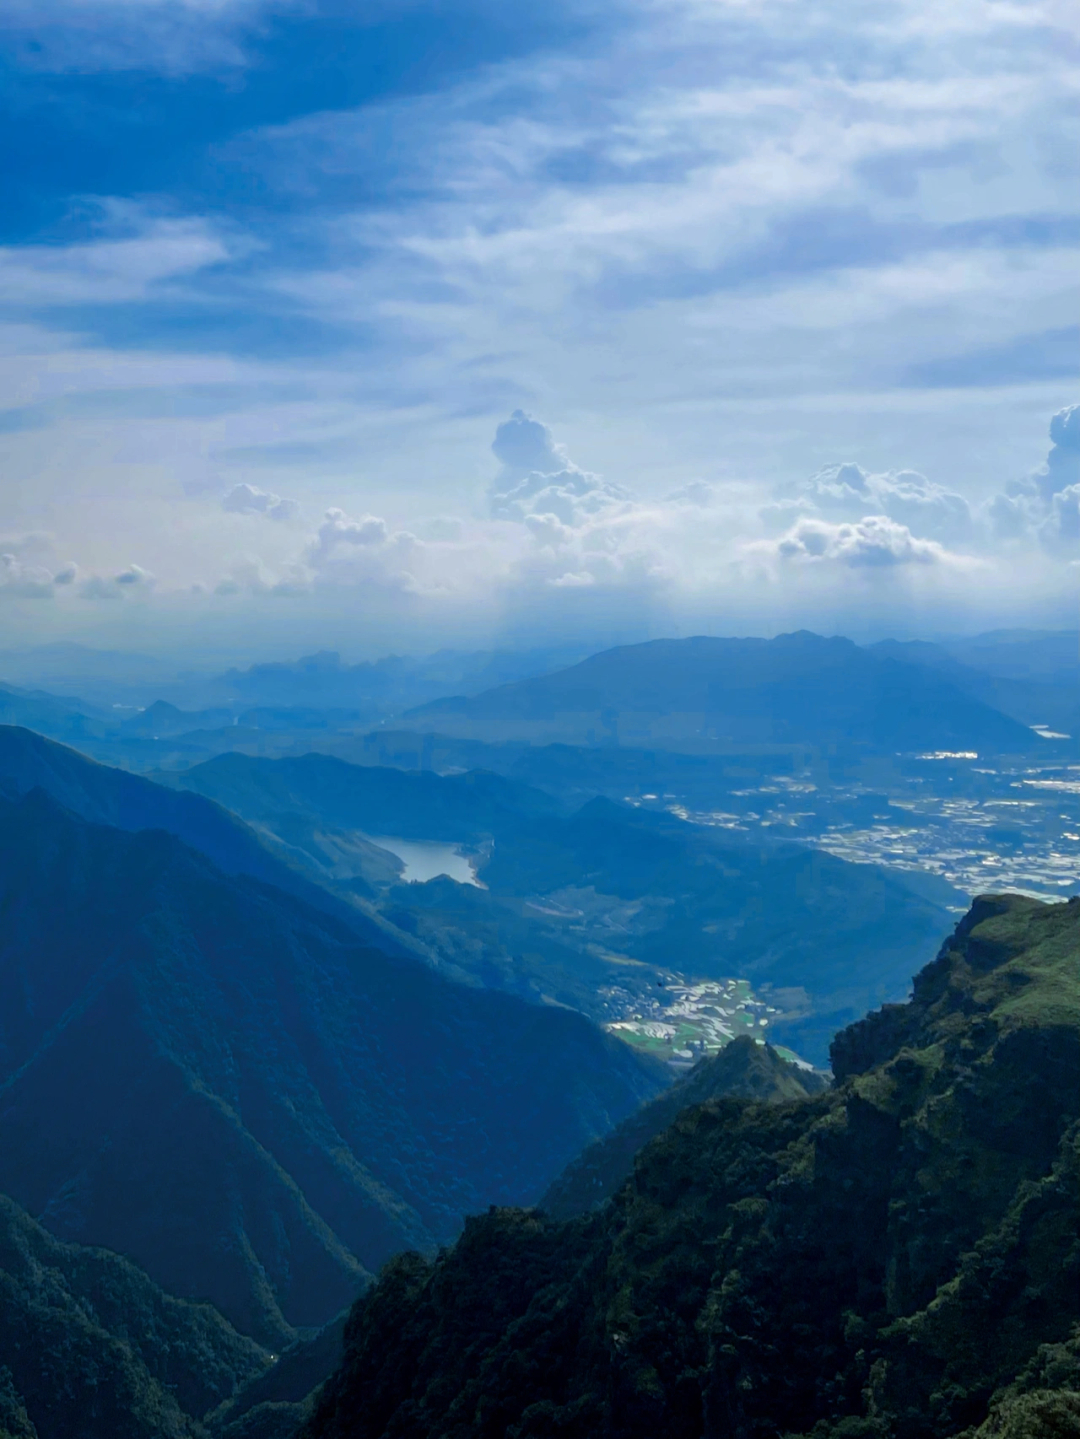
column 388, row 801
column 226, row 1084
column 797, row 688
column 1045, row 691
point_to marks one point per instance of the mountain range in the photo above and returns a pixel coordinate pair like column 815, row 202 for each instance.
column 795, row 689
column 895, row 1258
column 702, row 695
column 574, row 900
column 231, row 1087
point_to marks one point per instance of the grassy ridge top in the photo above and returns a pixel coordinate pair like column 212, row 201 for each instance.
column 897, row 1258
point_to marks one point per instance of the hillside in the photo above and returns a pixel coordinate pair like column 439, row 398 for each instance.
column 1035, row 679
column 414, row 805
column 795, row 689
column 743, row 1070
column 225, row 1084
column 574, row 903
column 104, row 795
column 90, row 1348
column 897, row 1258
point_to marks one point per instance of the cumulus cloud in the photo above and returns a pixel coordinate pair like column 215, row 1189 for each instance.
column 1060, row 531
column 847, row 491
column 1063, row 462
column 523, row 444
column 1042, row 505
column 366, row 551
column 250, row 500
column 338, row 530
column 537, row 478
column 131, row 580
column 846, row 541
column 874, row 542
column 25, row 571
column 20, row 580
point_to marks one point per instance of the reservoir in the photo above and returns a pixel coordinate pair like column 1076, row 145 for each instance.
column 427, row 859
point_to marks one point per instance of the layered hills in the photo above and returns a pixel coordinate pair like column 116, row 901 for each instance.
column 231, row 1087
column 574, row 905
column 795, row 689
column 104, row 795
column 895, row 1258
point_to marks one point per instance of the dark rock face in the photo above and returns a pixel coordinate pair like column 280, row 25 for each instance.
column 896, row 1258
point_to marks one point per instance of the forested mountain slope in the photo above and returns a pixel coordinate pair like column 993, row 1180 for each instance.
column 90, row 1348
column 412, row 804
column 104, row 795
column 223, row 1083
column 744, row 1069
column 897, row 1258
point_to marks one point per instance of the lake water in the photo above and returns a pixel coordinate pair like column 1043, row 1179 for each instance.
column 427, row 859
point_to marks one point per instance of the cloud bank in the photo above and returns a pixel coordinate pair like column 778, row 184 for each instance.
column 564, row 549
column 791, row 288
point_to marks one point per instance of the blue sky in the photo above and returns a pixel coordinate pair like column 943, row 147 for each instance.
column 273, row 275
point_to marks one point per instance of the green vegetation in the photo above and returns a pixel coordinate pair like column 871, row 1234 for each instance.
column 90, row 1348
column 743, row 1068
column 609, row 896
column 895, row 1258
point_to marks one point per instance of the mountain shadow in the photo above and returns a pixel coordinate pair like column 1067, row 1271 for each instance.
column 421, row 805
column 225, row 1084
column 896, row 1258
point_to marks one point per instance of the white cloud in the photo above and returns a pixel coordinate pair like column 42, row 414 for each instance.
column 539, row 483
column 337, row 530
column 875, row 541
column 245, row 499
column 716, row 242
column 1043, row 503
column 1060, row 531
column 174, row 37
column 131, row 580
column 20, row 580
column 25, row 569
column 109, row 270
column 903, row 495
